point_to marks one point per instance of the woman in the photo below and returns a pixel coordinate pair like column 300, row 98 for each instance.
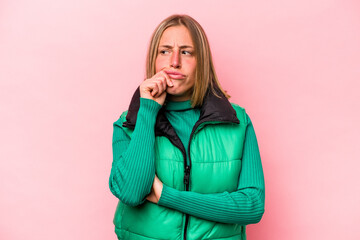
column 190, row 167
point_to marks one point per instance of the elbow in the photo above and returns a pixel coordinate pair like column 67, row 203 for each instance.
column 251, row 217
column 126, row 196
column 255, row 210
column 258, row 208
column 257, row 216
column 132, row 200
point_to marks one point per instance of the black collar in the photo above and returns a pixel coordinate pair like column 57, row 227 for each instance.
column 213, row 109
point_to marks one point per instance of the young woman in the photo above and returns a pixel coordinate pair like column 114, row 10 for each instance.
column 186, row 163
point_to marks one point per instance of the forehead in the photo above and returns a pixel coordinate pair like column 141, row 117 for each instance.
column 176, row 35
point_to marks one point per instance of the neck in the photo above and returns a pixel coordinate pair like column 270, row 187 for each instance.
column 175, row 98
column 177, row 105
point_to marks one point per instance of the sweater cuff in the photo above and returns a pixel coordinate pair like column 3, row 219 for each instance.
column 148, row 111
column 149, row 105
column 168, row 197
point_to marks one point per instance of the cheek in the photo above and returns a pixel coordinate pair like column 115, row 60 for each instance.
column 159, row 64
column 192, row 67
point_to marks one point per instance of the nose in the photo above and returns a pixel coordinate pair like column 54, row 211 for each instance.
column 175, row 61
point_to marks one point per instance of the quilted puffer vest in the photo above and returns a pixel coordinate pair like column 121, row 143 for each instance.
column 215, row 150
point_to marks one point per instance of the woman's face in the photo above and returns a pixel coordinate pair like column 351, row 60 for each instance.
column 176, row 56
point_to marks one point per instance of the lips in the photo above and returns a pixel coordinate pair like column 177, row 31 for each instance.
column 175, row 75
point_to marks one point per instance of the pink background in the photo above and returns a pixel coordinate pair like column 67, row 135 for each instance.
column 68, row 69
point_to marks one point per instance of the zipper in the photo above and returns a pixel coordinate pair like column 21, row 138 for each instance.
column 187, row 174
column 188, row 167
column 187, row 185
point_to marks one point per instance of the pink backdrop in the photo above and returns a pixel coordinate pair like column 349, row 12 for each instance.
column 68, row 68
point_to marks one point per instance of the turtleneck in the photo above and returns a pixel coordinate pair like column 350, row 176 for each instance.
column 183, row 118
column 178, row 106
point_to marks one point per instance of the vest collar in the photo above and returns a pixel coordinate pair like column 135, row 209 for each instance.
column 213, row 109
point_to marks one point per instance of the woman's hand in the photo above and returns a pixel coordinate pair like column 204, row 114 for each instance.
column 155, row 87
column 156, row 190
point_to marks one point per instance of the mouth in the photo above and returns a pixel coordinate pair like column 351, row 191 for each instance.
column 175, row 75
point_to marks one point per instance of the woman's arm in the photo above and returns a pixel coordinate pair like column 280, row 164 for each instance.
column 133, row 169
column 244, row 206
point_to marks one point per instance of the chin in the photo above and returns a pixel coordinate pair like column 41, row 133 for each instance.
column 173, row 91
column 178, row 94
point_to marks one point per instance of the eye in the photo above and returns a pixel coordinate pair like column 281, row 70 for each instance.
column 186, row 52
column 163, row 51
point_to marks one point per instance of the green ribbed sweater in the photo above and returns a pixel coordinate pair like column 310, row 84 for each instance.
column 133, row 168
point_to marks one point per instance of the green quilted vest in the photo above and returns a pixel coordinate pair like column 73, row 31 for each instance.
column 215, row 150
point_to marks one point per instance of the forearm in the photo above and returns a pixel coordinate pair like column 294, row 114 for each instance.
column 243, row 207
column 133, row 168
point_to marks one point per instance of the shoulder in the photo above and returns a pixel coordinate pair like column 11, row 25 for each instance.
column 119, row 128
column 241, row 113
column 237, row 107
column 121, row 119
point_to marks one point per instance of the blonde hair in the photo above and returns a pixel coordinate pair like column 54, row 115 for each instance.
column 205, row 75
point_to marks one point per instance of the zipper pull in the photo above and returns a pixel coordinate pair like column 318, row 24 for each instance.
column 187, row 175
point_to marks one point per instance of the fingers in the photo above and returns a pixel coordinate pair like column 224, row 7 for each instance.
column 162, row 81
column 168, row 79
column 153, row 89
column 156, row 86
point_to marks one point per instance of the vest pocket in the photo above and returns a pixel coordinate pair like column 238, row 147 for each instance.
column 215, row 231
column 152, row 221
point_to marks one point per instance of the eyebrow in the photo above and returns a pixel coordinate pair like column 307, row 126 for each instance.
column 183, row 46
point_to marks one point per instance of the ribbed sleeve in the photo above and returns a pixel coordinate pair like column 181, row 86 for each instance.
column 133, row 169
column 244, row 206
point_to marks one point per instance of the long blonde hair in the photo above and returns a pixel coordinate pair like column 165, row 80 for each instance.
column 205, row 75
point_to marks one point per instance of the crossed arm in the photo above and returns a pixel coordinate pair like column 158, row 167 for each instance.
column 133, row 173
